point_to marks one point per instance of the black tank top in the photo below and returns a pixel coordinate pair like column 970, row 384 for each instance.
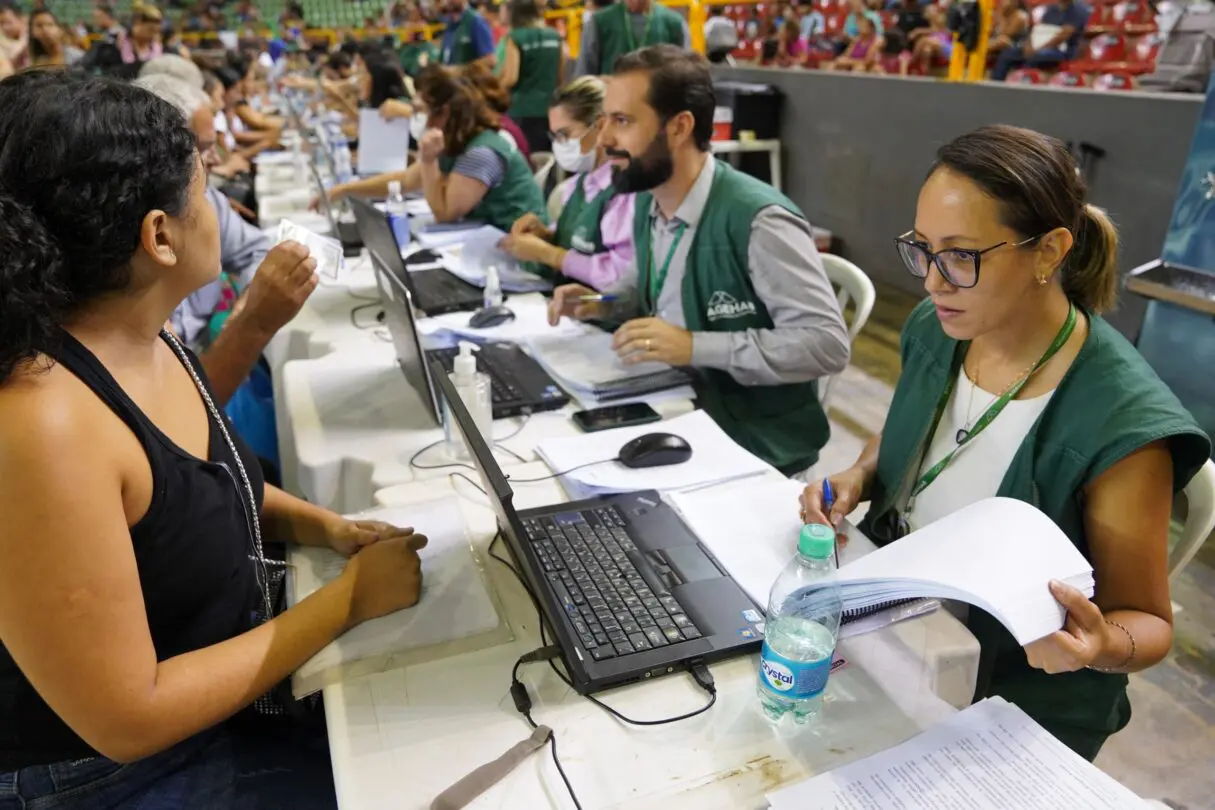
column 192, row 549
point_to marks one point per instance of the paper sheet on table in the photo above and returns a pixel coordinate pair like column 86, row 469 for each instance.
column 383, row 145
column 989, row 756
column 531, row 321
column 457, row 612
column 472, row 258
column 715, row 458
column 752, row 529
column 588, row 360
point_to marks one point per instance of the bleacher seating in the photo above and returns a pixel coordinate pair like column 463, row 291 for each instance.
column 1026, row 76
column 1114, row 81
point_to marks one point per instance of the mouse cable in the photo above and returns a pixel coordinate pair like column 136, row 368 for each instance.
column 523, row 704
column 563, row 472
column 359, row 308
column 699, row 671
column 413, row 460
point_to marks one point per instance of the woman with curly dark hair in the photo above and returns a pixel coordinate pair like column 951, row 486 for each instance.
column 465, row 167
column 137, row 617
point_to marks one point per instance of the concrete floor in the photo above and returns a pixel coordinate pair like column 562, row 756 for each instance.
column 1168, row 750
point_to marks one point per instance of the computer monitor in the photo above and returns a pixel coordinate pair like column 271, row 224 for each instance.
column 398, row 316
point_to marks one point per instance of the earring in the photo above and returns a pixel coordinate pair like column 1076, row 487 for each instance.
column 1042, row 280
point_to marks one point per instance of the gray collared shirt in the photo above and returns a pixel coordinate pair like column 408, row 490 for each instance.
column 242, row 248
column 808, row 339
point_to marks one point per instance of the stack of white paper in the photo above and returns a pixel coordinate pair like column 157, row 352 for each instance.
column 442, row 234
column 589, row 369
column 531, row 321
column 998, row 554
column 715, row 458
column 472, row 258
column 989, row 756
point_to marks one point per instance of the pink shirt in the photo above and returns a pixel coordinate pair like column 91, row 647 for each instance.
column 602, row 270
column 130, row 55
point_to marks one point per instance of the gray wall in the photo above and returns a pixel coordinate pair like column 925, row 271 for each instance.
column 856, row 149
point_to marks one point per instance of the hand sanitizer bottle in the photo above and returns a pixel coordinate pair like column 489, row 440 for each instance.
column 474, row 390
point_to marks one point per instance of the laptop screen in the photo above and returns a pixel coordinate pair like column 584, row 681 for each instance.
column 376, row 233
column 398, row 316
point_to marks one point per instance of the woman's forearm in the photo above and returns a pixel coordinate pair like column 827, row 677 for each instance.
column 372, row 186
column 292, row 519
column 434, row 188
column 867, row 463
column 1153, row 637
column 200, row 689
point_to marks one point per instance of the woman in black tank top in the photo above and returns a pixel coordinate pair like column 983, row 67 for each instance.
column 134, row 595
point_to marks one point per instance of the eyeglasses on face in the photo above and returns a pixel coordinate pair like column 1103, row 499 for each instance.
column 958, row 266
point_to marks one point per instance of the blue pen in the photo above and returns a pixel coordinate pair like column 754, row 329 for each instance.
column 828, row 502
column 597, row 298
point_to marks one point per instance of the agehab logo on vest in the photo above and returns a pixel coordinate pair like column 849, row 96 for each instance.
column 580, row 243
column 723, row 306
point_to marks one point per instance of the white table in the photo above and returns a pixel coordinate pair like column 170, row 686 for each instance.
column 399, row 737
column 770, row 145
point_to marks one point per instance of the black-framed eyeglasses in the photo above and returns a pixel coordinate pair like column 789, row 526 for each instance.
column 958, row 266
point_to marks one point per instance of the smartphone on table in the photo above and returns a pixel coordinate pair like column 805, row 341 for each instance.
column 615, row 416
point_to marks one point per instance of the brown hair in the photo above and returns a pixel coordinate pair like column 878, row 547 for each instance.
column 1034, row 180
column 467, row 113
column 488, row 85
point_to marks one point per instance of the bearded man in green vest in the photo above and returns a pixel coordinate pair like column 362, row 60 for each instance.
column 623, row 27
column 729, row 283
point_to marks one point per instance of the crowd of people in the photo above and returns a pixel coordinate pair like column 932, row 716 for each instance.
column 137, row 297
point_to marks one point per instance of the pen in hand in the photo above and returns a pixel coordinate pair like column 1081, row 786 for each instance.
column 828, row 502
column 597, row 298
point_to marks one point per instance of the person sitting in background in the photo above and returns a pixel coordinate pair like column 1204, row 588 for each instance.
column 106, row 25
column 1053, row 39
column 14, row 35
column 175, row 66
column 910, row 18
column 721, row 36
column 852, row 31
column 465, row 167
column 134, row 520
column 381, row 82
column 790, row 48
column 233, row 159
column 728, row 280
column 144, row 41
column 1012, row 385
column 1009, row 26
column 531, row 71
column 47, row 45
column 863, row 53
column 812, row 28
column 936, row 40
column 624, row 27
column 593, row 239
column 242, row 118
column 417, row 54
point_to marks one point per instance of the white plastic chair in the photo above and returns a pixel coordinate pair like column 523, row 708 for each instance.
column 1200, row 519
column 855, row 286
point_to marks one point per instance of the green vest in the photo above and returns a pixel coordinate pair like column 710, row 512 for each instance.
column 616, row 36
column 782, row 424
column 515, row 196
column 411, row 57
column 458, row 49
column 579, row 227
column 1109, row 404
column 539, row 59
column 499, row 56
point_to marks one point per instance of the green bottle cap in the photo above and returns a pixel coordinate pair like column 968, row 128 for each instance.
column 817, row 541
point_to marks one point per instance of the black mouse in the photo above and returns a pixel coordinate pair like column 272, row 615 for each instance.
column 489, row 317
column 423, row 256
column 655, row 450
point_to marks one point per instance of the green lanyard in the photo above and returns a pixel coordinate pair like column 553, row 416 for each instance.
column 628, row 27
column 657, row 280
column 989, row 416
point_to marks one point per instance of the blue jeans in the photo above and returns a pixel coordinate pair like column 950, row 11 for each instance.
column 271, row 767
column 1012, row 58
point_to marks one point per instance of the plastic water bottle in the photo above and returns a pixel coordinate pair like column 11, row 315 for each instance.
column 398, row 215
column 802, row 625
column 343, row 166
column 491, row 296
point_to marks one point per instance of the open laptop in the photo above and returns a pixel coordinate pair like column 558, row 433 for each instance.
column 433, row 291
column 518, row 384
column 345, row 232
column 627, row 588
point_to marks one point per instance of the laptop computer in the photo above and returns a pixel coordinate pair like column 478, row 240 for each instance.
column 432, row 291
column 518, row 384
column 345, row 232
column 628, row 590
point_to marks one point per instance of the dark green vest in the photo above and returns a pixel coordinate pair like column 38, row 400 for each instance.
column 515, row 196
column 617, row 37
column 579, row 227
column 782, row 424
column 411, row 57
column 1109, row 404
column 539, row 60
column 458, row 49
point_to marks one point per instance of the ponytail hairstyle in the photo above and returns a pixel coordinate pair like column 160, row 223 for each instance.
column 82, row 162
column 468, row 115
column 1033, row 177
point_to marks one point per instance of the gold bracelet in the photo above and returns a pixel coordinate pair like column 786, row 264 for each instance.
column 1121, row 668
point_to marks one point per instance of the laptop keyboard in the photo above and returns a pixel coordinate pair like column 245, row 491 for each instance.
column 586, row 557
column 500, row 388
column 439, row 288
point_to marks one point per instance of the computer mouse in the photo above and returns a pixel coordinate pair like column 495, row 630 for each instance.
column 489, row 317
column 423, row 256
column 655, row 450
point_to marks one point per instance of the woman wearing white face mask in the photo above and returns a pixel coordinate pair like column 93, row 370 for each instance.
column 593, row 240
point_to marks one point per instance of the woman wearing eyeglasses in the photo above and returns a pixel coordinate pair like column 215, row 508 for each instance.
column 593, row 240
column 1012, row 385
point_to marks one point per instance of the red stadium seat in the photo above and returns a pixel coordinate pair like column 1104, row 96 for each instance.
column 1147, row 48
column 1135, row 17
column 747, row 51
column 1068, row 78
column 1102, row 20
column 834, row 26
column 890, row 19
column 1025, row 76
column 1103, row 51
column 1114, row 81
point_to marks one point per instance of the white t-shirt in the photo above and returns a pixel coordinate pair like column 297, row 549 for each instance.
column 977, row 471
column 222, row 131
